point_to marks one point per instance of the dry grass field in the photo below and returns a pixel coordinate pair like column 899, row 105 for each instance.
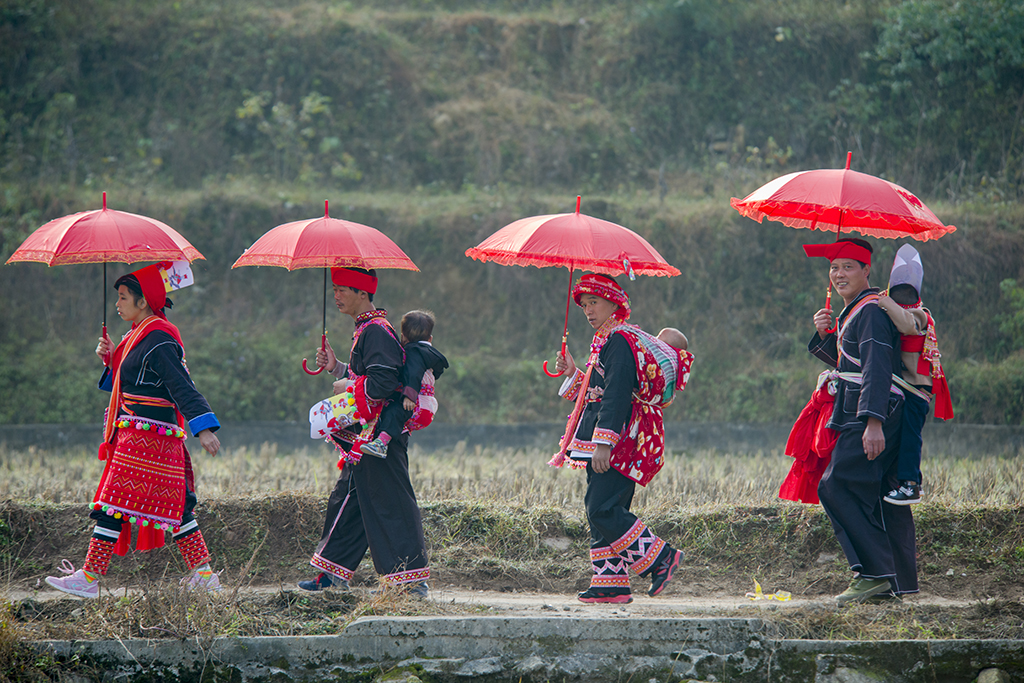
column 692, row 482
column 505, row 521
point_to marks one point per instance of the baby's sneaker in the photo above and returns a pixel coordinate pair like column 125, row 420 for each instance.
column 76, row 583
column 376, row 448
column 908, row 493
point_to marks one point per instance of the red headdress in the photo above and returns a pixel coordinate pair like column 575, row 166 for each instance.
column 840, row 249
column 604, row 287
column 346, row 277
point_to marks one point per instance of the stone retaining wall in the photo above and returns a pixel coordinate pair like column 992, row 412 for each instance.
column 528, row 649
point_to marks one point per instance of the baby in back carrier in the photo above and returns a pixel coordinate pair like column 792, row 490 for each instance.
column 414, row 408
column 671, row 364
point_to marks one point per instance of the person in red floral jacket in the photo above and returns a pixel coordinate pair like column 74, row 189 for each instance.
column 616, row 432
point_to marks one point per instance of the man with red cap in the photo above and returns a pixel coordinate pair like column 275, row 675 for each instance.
column 878, row 539
column 373, row 504
column 616, row 432
column 147, row 482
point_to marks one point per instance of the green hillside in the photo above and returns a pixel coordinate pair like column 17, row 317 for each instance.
column 440, row 122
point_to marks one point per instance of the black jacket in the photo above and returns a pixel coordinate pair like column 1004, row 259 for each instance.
column 419, row 357
column 872, row 339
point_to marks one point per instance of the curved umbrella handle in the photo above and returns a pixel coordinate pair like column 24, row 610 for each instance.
column 552, row 374
column 323, row 346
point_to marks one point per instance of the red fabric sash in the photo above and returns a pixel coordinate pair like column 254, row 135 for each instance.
column 913, row 343
column 810, row 443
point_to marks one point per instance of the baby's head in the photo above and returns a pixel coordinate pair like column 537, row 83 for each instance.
column 673, row 338
column 417, row 326
column 905, row 295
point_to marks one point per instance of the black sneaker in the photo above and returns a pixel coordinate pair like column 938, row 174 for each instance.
column 614, row 595
column 321, row 582
column 663, row 574
column 908, row 493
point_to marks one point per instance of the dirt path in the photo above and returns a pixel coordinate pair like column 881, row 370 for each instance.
column 519, row 603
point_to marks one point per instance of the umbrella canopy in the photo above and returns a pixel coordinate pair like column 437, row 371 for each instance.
column 575, row 241
column 325, row 243
column 841, row 199
column 102, row 236
column 572, row 240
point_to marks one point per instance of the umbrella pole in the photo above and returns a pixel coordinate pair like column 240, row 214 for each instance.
column 323, row 337
column 104, row 299
column 565, row 330
column 828, row 291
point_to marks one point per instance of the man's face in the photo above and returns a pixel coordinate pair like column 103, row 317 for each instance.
column 597, row 310
column 848, row 277
column 347, row 299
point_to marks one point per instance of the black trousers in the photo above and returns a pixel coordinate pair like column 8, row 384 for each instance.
column 879, row 539
column 608, row 499
column 373, row 506
column 393, row 418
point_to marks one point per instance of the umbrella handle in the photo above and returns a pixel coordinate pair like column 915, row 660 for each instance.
column 323, row 347
column 568, row 298
column 557, row 374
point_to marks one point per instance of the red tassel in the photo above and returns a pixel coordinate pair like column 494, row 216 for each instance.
column 104, row 451
column 943, row 401
column 124, row 541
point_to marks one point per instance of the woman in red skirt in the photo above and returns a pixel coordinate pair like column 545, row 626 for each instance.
column 147, row 483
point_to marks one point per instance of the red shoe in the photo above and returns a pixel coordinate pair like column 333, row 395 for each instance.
column 612, row 595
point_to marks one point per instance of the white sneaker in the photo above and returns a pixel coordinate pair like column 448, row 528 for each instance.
column 76, row 583
column 197, row 581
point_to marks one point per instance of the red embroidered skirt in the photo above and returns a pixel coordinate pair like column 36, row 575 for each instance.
column 145, row 477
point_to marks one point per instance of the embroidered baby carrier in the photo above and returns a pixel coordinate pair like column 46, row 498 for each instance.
column 640, row 452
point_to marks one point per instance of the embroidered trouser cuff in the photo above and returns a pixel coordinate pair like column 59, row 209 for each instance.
column 639, row 548
column 609, row 569
column 328, row 567
column 410, row 576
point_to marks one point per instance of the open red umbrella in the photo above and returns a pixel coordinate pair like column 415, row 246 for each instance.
column 325, row 243
column 836, row 199
column 102, row 236
column 575, row 241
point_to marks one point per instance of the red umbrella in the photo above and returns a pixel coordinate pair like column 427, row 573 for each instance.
column 575, row 241
column 324, row 243
column 833, row 199
column 101, row 236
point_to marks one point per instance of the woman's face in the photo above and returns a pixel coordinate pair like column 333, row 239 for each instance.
column 597, row 310
column 127, row 308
